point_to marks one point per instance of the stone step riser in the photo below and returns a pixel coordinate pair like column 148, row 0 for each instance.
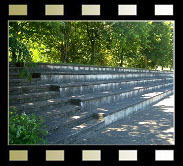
column 97, row 102
column 89, row 68
column 28, row 99
column 136, row 107
column 70, row 91
column 94, row 77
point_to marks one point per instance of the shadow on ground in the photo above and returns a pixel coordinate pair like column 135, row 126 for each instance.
column 152, row 126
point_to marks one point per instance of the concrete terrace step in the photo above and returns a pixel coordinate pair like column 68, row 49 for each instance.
column 78, row 100
column 56, row 122
column 61, row 116
column 23, row 81
column 12, row 65
column 15, row 75
column 14, row 69
column 32, row 107
column 93, row 100
column 17, row 90
column 81, row 68
column 73, row 88
column 71, row 77
column 32, row 97
column 105, row 115
column 125, row 107
column 67, row 135
column 61, row 111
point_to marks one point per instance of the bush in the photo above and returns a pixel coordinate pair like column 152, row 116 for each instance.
column 24, row 72
column 25, row 129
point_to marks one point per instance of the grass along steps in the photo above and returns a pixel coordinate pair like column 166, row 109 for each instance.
column 105, row 115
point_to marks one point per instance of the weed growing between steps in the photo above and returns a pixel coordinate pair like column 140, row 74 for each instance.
column 25, row 71
column 26, row 129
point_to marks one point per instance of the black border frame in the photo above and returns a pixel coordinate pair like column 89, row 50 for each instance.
column 72, row 11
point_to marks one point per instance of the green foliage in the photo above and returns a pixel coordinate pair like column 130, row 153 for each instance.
column 145, row 44
column 25, row 129
column 19, row 52
column 24, row 72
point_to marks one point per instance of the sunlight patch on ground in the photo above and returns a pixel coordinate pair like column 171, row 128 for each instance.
column 170, row 130
column 138, row 87
column 79, row 127
column 167, row 137
column 106, row 92
column 166, row 101
column 114, row 129
column 51, row 101
column 150, row 94
column 101, row 109
column 122, row 129
column 134, row 133
column 76, row 117
column 151, row 122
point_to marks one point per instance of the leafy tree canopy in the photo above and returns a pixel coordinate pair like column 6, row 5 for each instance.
column 127, row 44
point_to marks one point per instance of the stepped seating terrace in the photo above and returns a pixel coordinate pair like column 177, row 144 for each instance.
column 78, row 100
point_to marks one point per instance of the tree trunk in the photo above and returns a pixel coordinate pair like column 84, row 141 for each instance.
column 62, row 49
column 14, row 56
column 93, row 53
column 66, row 53
column 122, row 58
column 121, row 64
column 146, row 62
column 67, row 35
column 92, row 41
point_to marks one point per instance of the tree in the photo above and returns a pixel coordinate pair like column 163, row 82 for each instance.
column 127, row 44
